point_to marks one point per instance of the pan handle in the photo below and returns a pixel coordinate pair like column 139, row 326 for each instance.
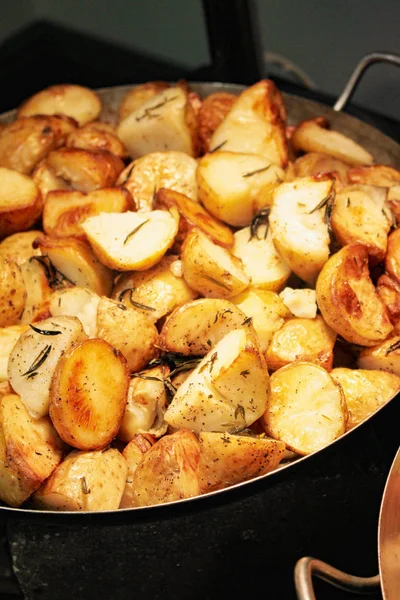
column 354, row 79
column 307, row 567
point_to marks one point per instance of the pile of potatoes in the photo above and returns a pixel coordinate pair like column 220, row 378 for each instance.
column 190, row 296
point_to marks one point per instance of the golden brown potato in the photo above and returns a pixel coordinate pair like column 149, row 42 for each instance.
column 360, row 214
column 87, row 481
column 46, row 181
column 156, row 291
column 300, row 302
column 29, row 451
column 137, row 96
column 306, row 409
column 193, row 214
column 312, row 136
column 389, row 292
column 18, row 246
column 210, row 269
column 64, row 211
column 90, row 137
column 26, row 141
column 212, row 112
column 8, row 338
column 392, row 259
column 76, row 302
column 255, row 124
column 229, row 459
column 379, row 175
column 394, row 201
column 20, row 202
column 314, row 163
column 168, row 471
column 75, row 260
column 384, row 356
column 133, row 454
column 348, row 299
column 365, row 391
column 38, row 292
column 80, row 103
column 144, row 176
column 309, row 340
column 127, row 330
column 12, row 292
column 88, row 394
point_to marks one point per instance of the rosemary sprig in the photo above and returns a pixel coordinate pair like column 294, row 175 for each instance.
column 323, row 202
column 128, row 237
column 218, row 147
column 239, row 410
column 147, row 111
column 133, row 302
column 55, row 278
column 44, row 331
column 261, row 218
column 393, row 347
column 219, row 283
column 84, row 486
column 251, row 173
column 39, row 360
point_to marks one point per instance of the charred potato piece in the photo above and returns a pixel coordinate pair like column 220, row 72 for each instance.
column 133, row 454
column 80, row 103
column 19, row 246
column 348, row 300
column 38, row 292
column 392, row 259
column 20, row 202
column 8, row 338
column 85, row 481
column 76, row 302
column 212, row 112
column 88, row 394
column 12, row 292
column 306, row 409
column 301, row 302
column 384, row 356
column 314, row 163
column 140, row 94
column 379, row 175
column 90, row 137
column 308, row 340
column 365, row 391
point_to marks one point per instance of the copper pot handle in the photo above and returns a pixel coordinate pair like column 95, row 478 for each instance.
column 354, row 79
column 307, row 567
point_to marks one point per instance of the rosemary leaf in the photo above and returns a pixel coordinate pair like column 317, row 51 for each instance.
column 44, row 331
column 218, row 147
column 219, row 283
column 321, row 204
column 251, row 173
column 393, row 347
column 84, row 486
column 39, row 360
column 261, row 218
column 128, row 237
column 240, row 411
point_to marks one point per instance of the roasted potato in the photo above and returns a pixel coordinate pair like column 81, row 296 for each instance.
column 76, row 302
column 301, row 302
column 20, row 202
column 8, row 338
column 348, row 299
column 213, row 111
column 314, row 163
column 137, row 96
column 394, row 201
column 392, row 258
column 12, row 292
column 46, row 180
column 378, row 175
column 133, row 454
column 90, row 137
column 19, row 246
column 384, row 356
column 38, row 291
column 389, row 292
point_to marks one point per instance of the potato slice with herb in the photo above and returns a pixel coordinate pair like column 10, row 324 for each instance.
column 8, row 338
column 301, row 302
column 384, row 356
column 306, row 410
column 91, row 137
column 211, row 270
column 298, row 226
column 34, row 357
column 76, row 302
column 29, row 451
column 229, row 459
column 234, row 186
column 20, row 202
column 136, row 97
column 213, row 111
column 85, row 481
column 80, row 103
column 365, row 391
column 131, row 241
column 12, row 292
column 133, row 454
column 348, row 299
column 88, row 394
column 19, row 246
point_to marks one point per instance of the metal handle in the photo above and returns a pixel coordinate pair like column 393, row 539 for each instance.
column 307, row 567
column 355, row 77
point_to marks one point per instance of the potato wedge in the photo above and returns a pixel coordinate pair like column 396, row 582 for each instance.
column 314, row 163
column 12, row 292
column 312, row 136
column 212, row 112
column 76, row 302
column 133, row 454
column 165, row 122
column 348, row 299
column 193, row 214
column 85, row 481
column 266, row 311
column 127, row 330
column 146, row 405
column 137, row 96
column 229, row 459
column 46, row 181
column 131, row 241
column 90, row 137
column 38, row 292
column 228, row 390
column 26, row 141
column 75, row 260
column 158, row 290
column 261, row 262
column 29, row 451
column 392, row 259
column 384, row 356
column 379, row 175
column 8, row 338
column 301, row 302
column 20, row 202
column 18, row 246
column 168, row 471
column 80, row 103
column 298, row 227
column 361, row 214
column 255, row 124
column 307, row 340
column 64, row 211
column 210, row 269
column 144, row 176
column 306, row 410
column 365, row 391
column 210, row 320
column 234, row 186
column 85, row 170
column 88, row 394
column 389, row 292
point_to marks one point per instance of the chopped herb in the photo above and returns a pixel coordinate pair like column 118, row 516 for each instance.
column 325, row 417
column 261, row 218
column 247, row 321
column 38, row 453
column 44, row 331
column 240, row 411
column 245, row 373
column 209, row 342
column 218, row 147
column 128, row 237
column 393, row 347
column 216, row 317
column 133, row 302
column 39, row 360
column 212, row 360
column 348, row 202
column 32, row 375
column 121, row 306
column 323, row 202
column 251, row 173
column 219, row 283
column 84, row 486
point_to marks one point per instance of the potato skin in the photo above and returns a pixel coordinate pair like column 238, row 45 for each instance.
column 212, row 112
column 392, row 259
column 12, row 292
column 21, row 202
column 90, row 137
column 313, row 163
column 138, row 96
column 18, row 246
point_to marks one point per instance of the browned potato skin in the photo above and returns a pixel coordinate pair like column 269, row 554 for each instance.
column 392, row 260
column 83, row 418
column 314, row 163
column 133, row 454
column 212, row 112
column 64, row 211
column 379, row 175
column 12, row 292
column 26, row 141
column 46, row 180
column 18, row 246
column 138, row 96
column 169, row 470
column 389, row 292
column 90, row 137
column 14, row 219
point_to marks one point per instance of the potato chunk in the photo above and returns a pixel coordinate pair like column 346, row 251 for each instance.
column 379, row 175
column 314, row 163
column 133, row 454
column 12, row 292
column 348, row 300
column 365, row 391
column 229, row 459
column 88, row 394
column 384, row 356
column 213, row 111
column 80, row 103
column 38, row 292
column 306, row 409
column 19, row 246
column 29, row 451
column 8, row 338
column 301, row 302
column 20, row 202
column 76, row 302
column 137, row 96
column 168, row 471
column 91, row 137
column 85, row 481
